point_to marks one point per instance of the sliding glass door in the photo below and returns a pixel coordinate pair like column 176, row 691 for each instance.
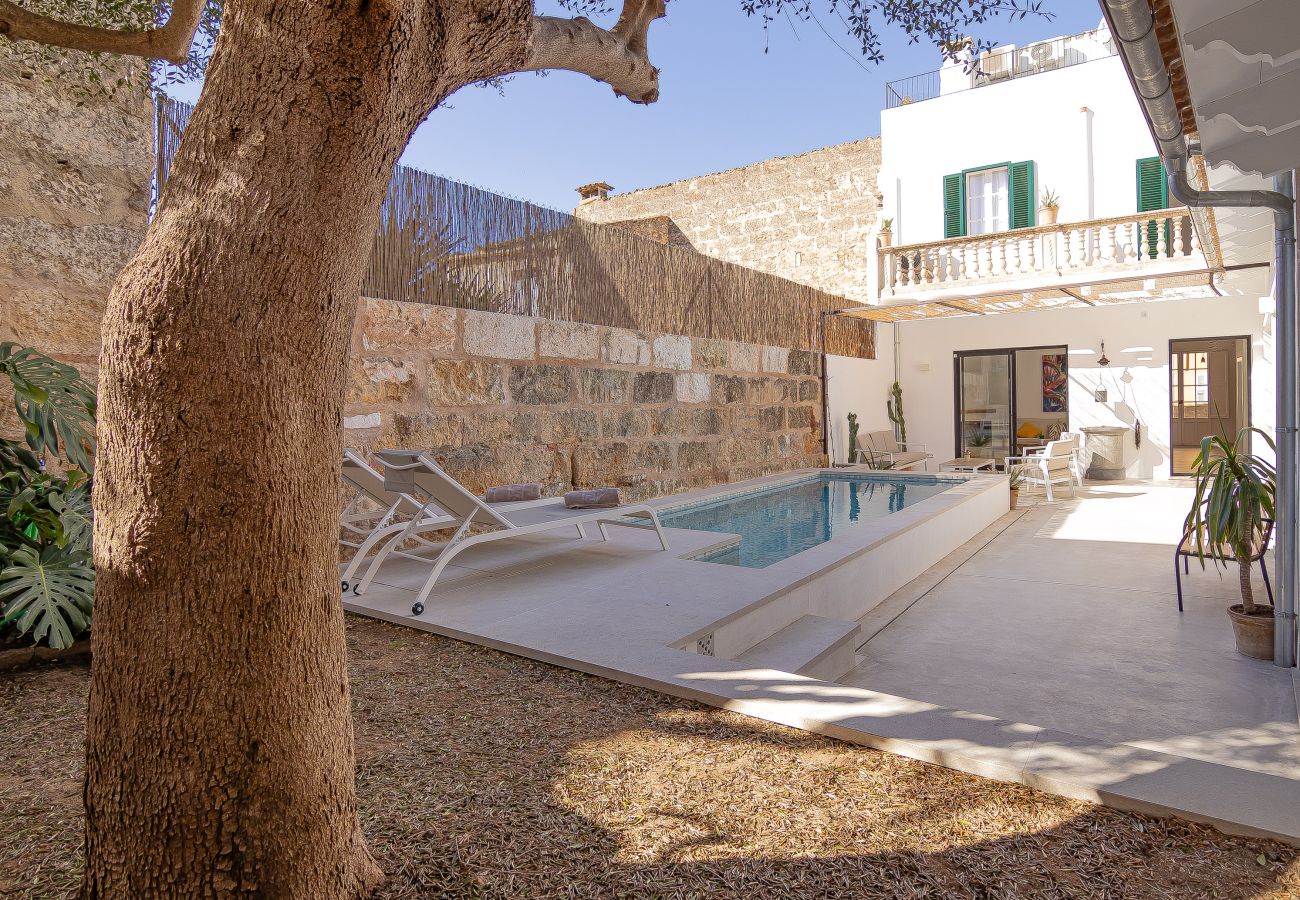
column 1009, row 401
column 984, row 405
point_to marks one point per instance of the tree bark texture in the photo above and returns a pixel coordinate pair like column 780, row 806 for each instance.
column 219, row 738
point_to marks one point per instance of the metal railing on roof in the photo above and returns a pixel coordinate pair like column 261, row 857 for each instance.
column 1001, row 64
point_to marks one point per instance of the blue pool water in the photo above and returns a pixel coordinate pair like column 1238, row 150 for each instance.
column 778, row 522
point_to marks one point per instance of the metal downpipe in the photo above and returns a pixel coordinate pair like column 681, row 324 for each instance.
column 1288, row 524
column 1133, row 26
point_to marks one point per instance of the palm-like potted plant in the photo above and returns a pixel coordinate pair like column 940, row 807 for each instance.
column 1230, row 515
column 886, row 236
column 1016, row 476
column 1048, row 206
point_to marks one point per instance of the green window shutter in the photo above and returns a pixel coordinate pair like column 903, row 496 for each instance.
column 1153, row 194
column 1020, row 176
column 954, row 205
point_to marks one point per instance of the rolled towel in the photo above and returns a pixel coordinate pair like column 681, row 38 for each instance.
column 598, row 498
column 513, row 493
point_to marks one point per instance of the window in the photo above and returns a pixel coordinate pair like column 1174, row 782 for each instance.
column 989, row 198
column 986, row 201
column 1193, row 385
column 1153, row 194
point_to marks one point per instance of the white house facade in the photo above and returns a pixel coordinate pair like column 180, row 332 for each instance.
column 1012, row 322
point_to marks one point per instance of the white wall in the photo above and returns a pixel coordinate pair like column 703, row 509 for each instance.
column 1035, row 117
column 860, row 386
column 1137, row 341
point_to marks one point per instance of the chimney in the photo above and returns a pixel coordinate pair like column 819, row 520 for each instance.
column 597, row 190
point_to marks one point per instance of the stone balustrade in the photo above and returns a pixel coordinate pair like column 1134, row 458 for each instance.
column 1027, row 258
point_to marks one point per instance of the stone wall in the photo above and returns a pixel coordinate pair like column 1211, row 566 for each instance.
column 809, row 218
column 75, row 169
column 501, row 399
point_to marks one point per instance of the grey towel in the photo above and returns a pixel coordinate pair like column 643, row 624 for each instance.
column 598, row 498
column 512, row 493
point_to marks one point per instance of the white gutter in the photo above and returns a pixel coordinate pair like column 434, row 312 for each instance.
column 1133, row 26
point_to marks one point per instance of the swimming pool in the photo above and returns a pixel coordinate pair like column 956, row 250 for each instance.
column 776, row 522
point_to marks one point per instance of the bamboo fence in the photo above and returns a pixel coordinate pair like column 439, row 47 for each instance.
column 443, row 242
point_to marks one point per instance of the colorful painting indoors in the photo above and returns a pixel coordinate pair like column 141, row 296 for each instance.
column 1054, row 384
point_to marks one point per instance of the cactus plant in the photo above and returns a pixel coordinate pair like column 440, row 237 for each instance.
column 853, row 436
column 895, row 407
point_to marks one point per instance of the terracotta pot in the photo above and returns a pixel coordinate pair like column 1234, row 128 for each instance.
column 885, row 238
column 1254, row 634
column 1047, row 215
column 1015, row 497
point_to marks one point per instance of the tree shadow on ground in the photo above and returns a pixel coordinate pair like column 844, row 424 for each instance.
column 487, row 775
column 484, row 775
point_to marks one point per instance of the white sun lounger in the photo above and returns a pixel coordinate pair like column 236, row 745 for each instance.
column 361, row 529
column 407, row 471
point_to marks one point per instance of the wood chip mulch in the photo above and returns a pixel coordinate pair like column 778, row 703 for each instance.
column 484, row 775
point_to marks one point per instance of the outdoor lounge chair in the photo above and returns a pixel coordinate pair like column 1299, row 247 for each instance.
column 361, row 529
column 1187, row 552
column 408, row 471
column 1055, row 465
column 880, row 450
column 1076, row 454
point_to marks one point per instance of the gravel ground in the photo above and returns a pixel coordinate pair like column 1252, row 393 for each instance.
column 483, row 775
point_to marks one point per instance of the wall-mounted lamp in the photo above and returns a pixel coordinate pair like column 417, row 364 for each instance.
column 1100, row 393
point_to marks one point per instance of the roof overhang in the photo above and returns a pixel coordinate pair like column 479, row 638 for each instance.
column 1241, row 62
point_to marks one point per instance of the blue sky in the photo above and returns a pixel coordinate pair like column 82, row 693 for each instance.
column 723, row 102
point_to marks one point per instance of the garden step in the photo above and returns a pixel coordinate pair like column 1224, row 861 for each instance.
column 813, row 645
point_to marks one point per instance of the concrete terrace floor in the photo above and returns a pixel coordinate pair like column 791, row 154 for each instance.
column 1064, row 615
column 1047, row 650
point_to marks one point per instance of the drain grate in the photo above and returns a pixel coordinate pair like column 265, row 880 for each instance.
column 704, row 645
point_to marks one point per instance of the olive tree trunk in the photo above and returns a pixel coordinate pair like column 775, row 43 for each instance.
column 219, row 740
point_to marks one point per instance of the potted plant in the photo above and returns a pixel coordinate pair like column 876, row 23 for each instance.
column 886, row 236
column 853, row 438
column 1015, row 476
column 1048, row 207
column 1230, row 512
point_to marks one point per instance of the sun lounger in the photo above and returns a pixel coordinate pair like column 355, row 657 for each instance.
column 412, row 472
column 362, row 529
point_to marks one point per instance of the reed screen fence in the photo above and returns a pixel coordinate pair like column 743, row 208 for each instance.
column 448, row 243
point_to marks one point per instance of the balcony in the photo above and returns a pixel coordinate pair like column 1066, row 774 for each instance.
column 1069, row 259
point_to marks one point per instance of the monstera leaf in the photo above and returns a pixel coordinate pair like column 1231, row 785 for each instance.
column 76, row 517
column 56, row 405
column 47, row 596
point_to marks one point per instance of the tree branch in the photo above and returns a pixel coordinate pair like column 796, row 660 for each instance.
column 617, row 57
column 170, row 42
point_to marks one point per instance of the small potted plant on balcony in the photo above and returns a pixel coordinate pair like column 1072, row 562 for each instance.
column 1228, row 522
column 1048, row 206
column 886, row 236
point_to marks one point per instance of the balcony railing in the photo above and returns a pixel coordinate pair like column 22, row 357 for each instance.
column 1001, row 64
column 1074, row 252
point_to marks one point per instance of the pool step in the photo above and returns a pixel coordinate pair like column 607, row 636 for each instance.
column 813, row 645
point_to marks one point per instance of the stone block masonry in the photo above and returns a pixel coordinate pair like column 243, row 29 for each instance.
column 75, row 167
column 810, row 218
column 500, row 399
